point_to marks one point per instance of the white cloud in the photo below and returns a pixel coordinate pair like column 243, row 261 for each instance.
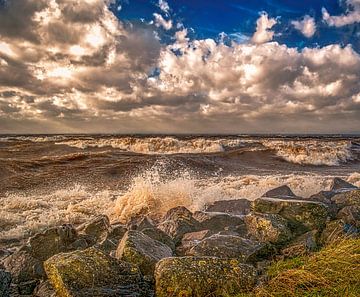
column 164, row 6
column 306, row 26
column 263, row 26
column 161, row 22
column 351, row 16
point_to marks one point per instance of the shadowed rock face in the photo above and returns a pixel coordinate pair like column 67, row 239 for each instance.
column 217, row 222
column 90, row 272
column 348, row 198
column 234, row 207
column 99, row 227
column 340, row 184
column 202, row 276
column 139, row 249
column 5, row 280
column 191, row 239
column 301, row 245
column 280, row 192
column 350, row 215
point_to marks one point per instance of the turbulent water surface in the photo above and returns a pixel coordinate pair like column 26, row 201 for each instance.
column 47, row 180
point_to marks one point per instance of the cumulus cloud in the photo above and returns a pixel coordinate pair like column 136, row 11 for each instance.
column 263, row 26
column 164, row 6
column 351, row 16
column 161, row 22
column 80, row 69
column 306, row 26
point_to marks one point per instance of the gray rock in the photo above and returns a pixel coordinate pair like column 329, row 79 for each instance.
column 159, row 235
column 339, row 184
column 113, row 238
column 191, row 239
column 44, row 289
column 301, row 245
column 271, row 228
column 140, row 222
column 234, row 207
column 202, row 277
column 138, row 248
column 5, row 281
column 347, row 198
column 350, row 215
column 99, row 227
column 280, row 192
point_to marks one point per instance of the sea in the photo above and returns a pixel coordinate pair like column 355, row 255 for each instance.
column 47, row 180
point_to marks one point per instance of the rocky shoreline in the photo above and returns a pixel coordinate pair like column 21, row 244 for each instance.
column 221, row 251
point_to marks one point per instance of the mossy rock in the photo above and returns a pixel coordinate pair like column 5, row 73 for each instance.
column 140, row 249
column 347, row 198
column 159, row 235
column 202, row 276
column 302, row 215
column 90, row 271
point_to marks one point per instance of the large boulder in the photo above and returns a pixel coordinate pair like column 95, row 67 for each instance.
column 271, row 228
column 301, row 245
column 5, row 281
column 159, row 235
column 229, row 246
column 91, row 272
column 216, row 222
column 347, row 198
column 234, row 207
column 350, row 215
column 52, row 241
column 98, row 227
column 302, row 215
column 142, row 250
column 280, row 192
column 202, row 276
column 177, row 222
column 339, row 184
column 191, row 239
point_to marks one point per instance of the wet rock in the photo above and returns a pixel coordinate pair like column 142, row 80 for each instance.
column 280, row 192
column 140, row 249
column 337, row 229
column 177, row 222
column 4, row 253
column 52, row 241
column 139, row 223
column 99, row 227
column 271, row 228
column 91, row 272
column 159, row 235
column 5, row 281
column 228, row 246
column 339, row 184
column 301, row 245
column 27, row 288
column 234, row 207
column 350, row 215
column 191, row 239
column 113, row 238
column 202, row 276
column 348, row 198
column 44, row 289
column 302, row 215
column 216, row 222
column 23, row 266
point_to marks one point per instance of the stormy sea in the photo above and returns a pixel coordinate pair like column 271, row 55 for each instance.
column 47, row 180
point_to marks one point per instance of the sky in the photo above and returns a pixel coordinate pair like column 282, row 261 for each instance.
column 156, row 66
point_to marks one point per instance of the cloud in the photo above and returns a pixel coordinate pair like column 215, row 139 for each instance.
column 306, row 26
column 352, row 15
column 263, row 26
column 161, row 22
column 164, row 6
column 94, row 73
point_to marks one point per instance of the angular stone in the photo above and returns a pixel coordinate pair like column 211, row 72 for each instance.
column 280, row 192
column 191, row 239
column 337, row 229
column 216, row 222
column 202, row 276
column 139, row 223
column 52, row 241
column 44, row 289
column 339, row 184
column 27, row 288
column 348, row 198
column 91, row 272
column 159, row 235
column 350, row 215
column 228, row 246
column 5, row 281
column 234, row 207
column 99, row 227
column 111, row 242
column 271, row 228
column 138, row 248
column 177, row 222
column 301, row 245
column 302, row 215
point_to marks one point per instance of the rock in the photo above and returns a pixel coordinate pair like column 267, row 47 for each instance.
column 280, row 192
column 113, row 238
column 5, row 281
column 99, row 227
column 301, row 245
column 44, row 289
column 191, row 239
column 348, row 198
column 202, row 276
column 228, row 246
column 52, row 241
column 159, row 235
column 302, row 215
column 4, row 253
column 91, row 272
column 177, row 222
column 271, row 228
column 339, row 184
column 138, row 248
column 23, row 266
column 139, row 223
column 234, row 207
column 350, row 215
column 337, row 229
column 27, row 288
column 216, row 222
